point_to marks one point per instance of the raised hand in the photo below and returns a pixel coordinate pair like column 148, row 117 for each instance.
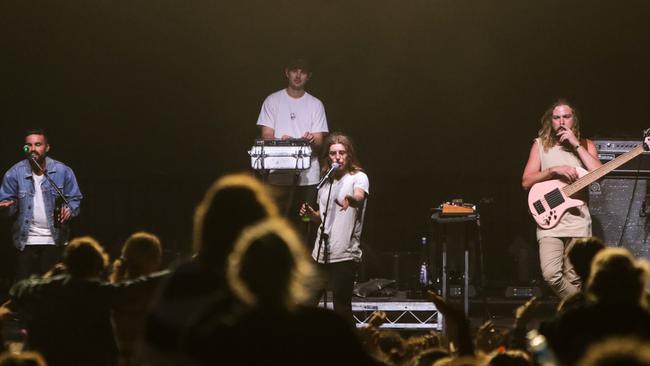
column 567, row 135
column 523, row 314
column 488, row 338
column 377, row 318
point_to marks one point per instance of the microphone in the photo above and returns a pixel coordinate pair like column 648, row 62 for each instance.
column 328, row 175
column 30, row 155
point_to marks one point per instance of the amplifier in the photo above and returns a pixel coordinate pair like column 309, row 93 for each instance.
column 611, row 148
column 620, row 212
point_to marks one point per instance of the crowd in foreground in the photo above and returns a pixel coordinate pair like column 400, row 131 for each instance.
column 245, row 298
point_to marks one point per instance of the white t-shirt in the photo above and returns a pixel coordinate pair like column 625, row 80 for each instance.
column 293, row 117
column 39, row 229
column 343, row 227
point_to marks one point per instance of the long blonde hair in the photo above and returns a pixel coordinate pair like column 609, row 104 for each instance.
column 270, row 265
column 232, row 203
column 546, row 133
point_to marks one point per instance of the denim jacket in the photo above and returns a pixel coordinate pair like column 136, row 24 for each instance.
column 18, row 185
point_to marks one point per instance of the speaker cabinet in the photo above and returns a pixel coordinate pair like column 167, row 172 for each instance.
column 619, row 212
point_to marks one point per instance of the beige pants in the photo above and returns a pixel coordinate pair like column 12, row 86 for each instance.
column 556, row 267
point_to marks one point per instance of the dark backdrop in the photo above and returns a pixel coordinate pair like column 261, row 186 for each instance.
column 150, row 101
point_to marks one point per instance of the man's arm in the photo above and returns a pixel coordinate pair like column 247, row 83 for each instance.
column 72, row 194
column 267, row 132
column 319, row 127
column 359, row 192
column 533, row 172
column 26, row 293
column 315, row 138
column 9, row 194
column 589, row 156
column 354, row 200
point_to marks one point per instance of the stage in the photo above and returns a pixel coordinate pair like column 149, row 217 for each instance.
column 412, row 314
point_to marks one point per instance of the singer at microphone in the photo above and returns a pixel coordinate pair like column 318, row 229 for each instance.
column 41, row 194
column 341, row 203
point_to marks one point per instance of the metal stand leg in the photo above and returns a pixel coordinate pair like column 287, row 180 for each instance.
column 486, row 312
column 466, row 282
column 444, row 268
column 444, row 276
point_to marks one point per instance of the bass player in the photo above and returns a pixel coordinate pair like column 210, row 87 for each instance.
column 555, row 154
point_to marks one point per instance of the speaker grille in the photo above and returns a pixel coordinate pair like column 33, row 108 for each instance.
column 618, row 212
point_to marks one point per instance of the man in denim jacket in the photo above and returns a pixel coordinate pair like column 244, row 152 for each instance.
column 40, row 228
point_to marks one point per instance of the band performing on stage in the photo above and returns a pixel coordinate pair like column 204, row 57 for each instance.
column 279, row 252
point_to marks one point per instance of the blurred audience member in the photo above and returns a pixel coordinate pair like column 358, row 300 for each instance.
column 232, row 203
column 22, row 359
column 270, row 272
column 615, row 307
column 68, row 315
column 581, row 253
column 511, row 358
column 141, row 255
column 617, row 352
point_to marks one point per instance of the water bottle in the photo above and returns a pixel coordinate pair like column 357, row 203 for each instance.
column 424, row 278
column 539, row 349
column 424, row 266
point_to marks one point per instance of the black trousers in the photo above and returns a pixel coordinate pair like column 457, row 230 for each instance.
column 36, row 260
column 340, row 277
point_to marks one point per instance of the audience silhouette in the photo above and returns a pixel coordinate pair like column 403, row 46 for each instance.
column 270, row 271
column 614, row 306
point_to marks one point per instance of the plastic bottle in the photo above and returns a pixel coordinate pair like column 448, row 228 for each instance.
column 539, row 349
column 424, row 266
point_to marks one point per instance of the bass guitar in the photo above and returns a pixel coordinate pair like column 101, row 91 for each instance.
column 549, row 200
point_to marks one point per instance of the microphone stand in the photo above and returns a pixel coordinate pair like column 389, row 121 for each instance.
column 323, row 242
column 57, row 219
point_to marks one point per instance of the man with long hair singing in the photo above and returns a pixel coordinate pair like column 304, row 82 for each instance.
column 341, row 206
